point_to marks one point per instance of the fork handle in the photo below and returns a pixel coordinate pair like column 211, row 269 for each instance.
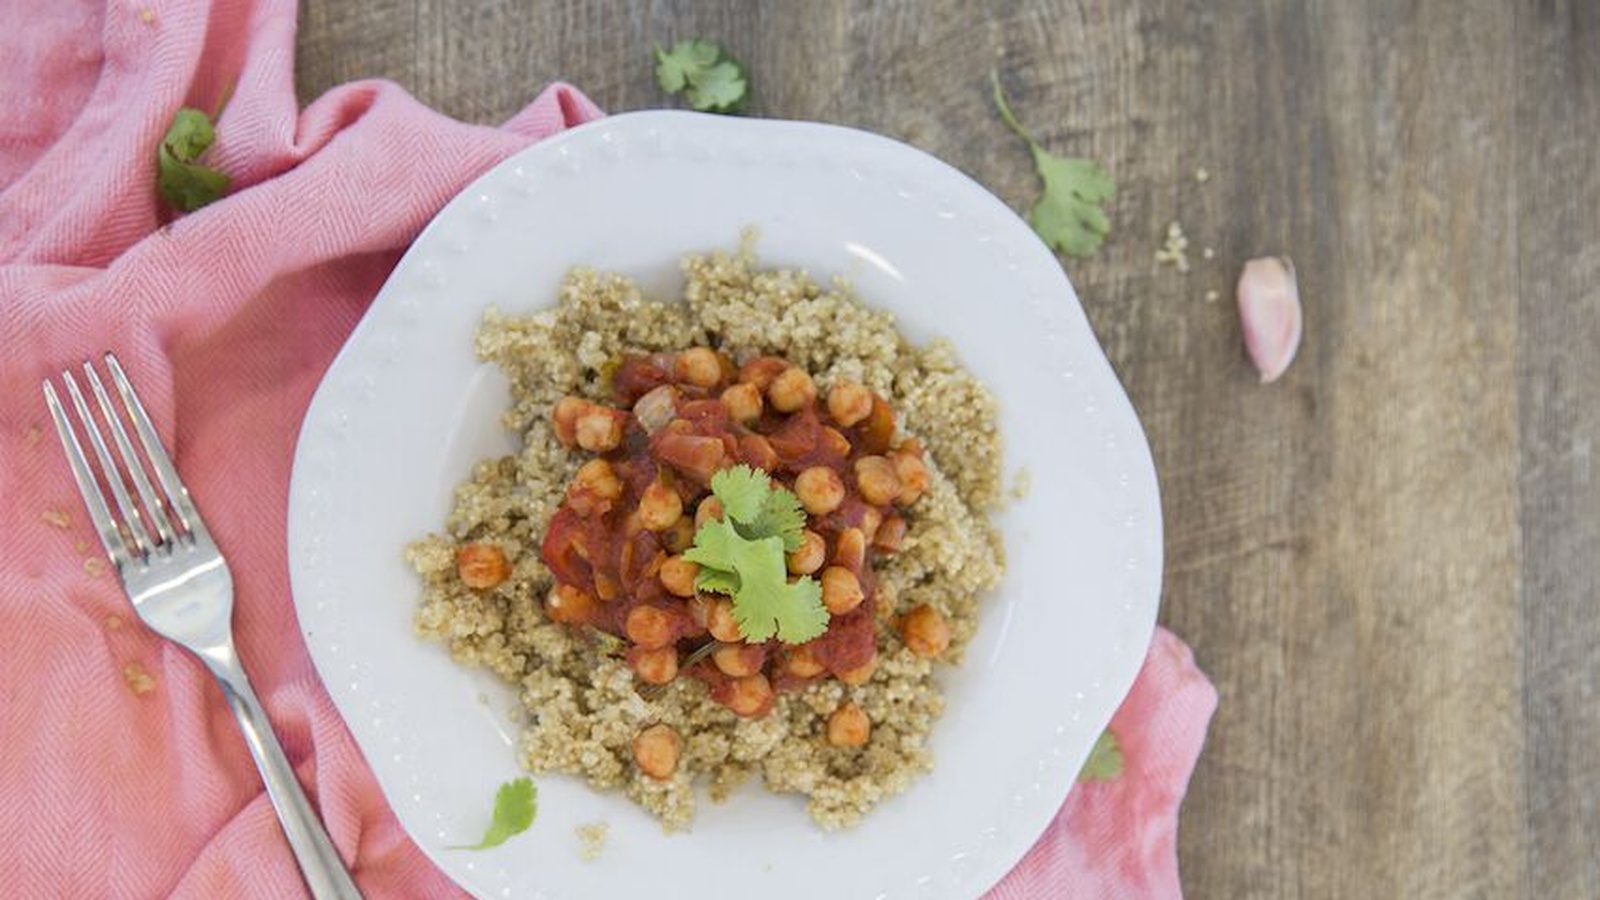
column 324, row 871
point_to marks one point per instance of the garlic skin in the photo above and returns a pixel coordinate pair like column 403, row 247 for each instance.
column 1269, row 314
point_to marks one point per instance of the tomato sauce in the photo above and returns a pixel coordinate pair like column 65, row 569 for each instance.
column 678, row 433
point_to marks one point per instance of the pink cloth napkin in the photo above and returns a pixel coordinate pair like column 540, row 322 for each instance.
column 121, row 772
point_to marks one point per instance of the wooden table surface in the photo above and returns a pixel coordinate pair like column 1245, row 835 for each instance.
column 1389, row 561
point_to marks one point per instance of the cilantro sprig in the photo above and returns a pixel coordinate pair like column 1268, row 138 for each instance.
column 742, row 555
column 1069, row 215
column 182, row 180
column 709, row 79
column 757, row 508
column 515, row 805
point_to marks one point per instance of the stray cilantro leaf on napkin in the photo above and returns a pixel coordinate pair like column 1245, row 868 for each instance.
column 182, row 180
column 742, row 555
column 515, row 804
column 1105, row 760
column 709, row 79
column 1069, row 217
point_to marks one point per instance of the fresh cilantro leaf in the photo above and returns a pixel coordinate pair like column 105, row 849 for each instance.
column 675, row 67
column 191, row 134
column 742, row 490
column 716, row 546
column 765, row 603
column 1105, row 760
column 782, row 516
column 710, row 79
column 719, row 88
column 792, row 611
column 717, row 581
column 182, row 181
column 515, row 804
column 188, row 186
column 1069, row 216
column 757, row 508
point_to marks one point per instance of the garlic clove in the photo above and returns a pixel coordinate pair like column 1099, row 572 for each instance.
column 1270, row 314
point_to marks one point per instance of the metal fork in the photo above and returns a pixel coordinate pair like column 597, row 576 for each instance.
column 180, row 586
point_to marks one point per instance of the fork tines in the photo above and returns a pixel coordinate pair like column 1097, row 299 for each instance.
column 136, row 528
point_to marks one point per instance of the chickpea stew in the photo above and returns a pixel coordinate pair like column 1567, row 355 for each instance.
column 740, row 534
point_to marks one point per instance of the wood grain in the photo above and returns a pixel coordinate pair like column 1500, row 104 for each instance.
column 1558, row 222
column 1389, row 561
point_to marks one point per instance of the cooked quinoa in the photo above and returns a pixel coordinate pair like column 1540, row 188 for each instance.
column 582, row 701
column 592, row 840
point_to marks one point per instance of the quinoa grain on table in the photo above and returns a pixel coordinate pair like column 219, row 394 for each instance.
column 582, row 701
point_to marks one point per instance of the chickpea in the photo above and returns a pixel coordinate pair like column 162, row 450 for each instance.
column 850, row 550
column 809, row 556
column 820, row 490
column 877, row 481
column 680, row 536
column 569, row 605
column 482, row 565
column 658, row 666
column 743, row 401
column 649, row 627
column 802, row 662
column 678, row 575
column 599, row 429
column 595, row 486
column 762, row 370
column 660, row 507
column 791, row 390
column 849, row 403
column 738, row 660
column 913, row 475
column 698, row 366
column 656, row 750
column 597, row 477
column 925, row 631
column 849, row 726
column 750, row 696
column 564, row 416
column 709, row 510
column 891, row 535
column 860, row 674
column 721, row 623
column 841, row 590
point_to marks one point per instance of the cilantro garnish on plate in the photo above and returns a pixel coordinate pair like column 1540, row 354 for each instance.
column 742, row 555
column 515, row 805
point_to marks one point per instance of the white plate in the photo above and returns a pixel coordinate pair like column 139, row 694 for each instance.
column 406, row 409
